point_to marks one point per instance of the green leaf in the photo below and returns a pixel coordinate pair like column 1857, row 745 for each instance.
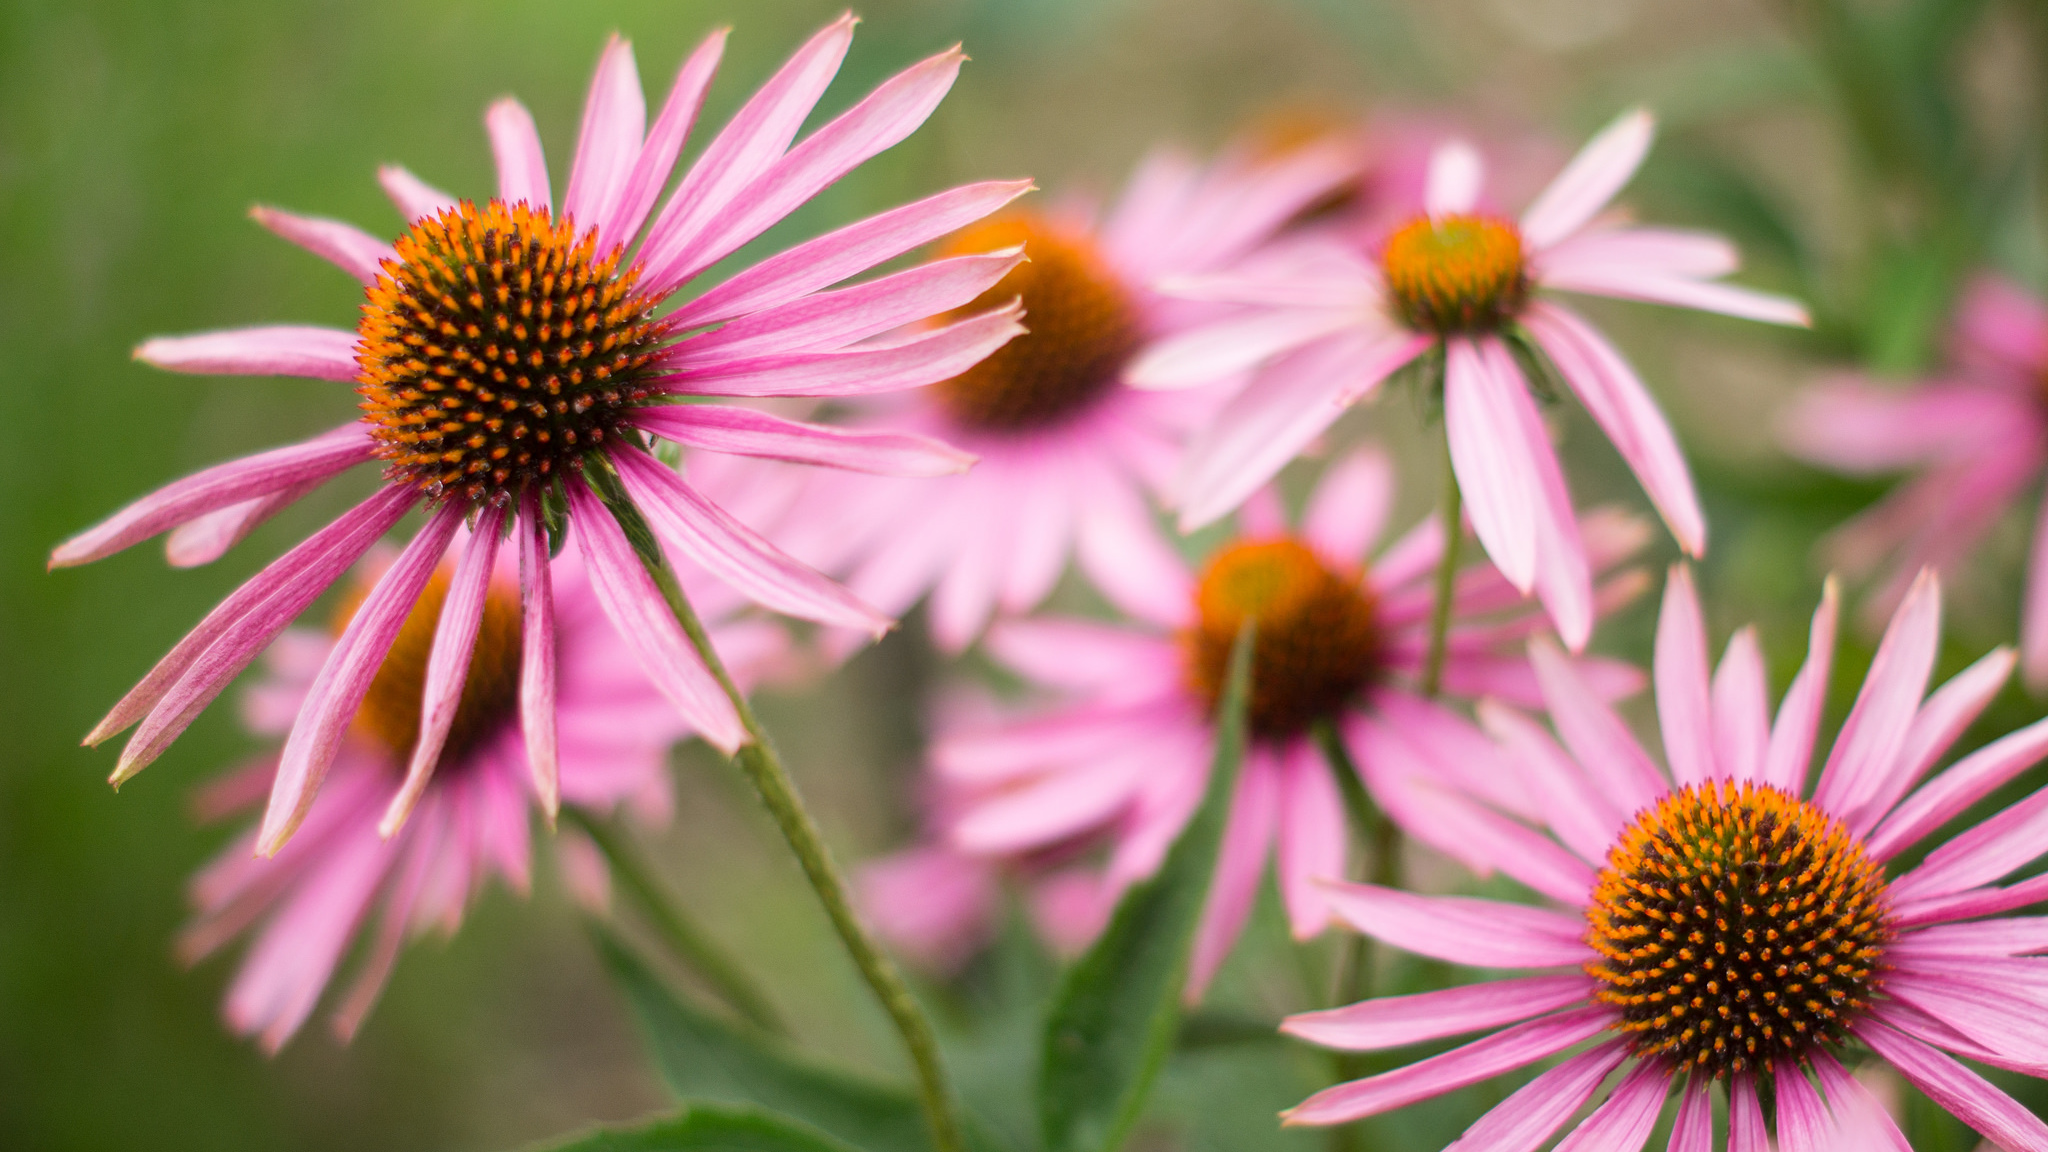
column 703, row 1056
column 705, row 1128
column 1114, row 1016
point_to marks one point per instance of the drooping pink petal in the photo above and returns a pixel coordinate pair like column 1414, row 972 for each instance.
column 1616, row 399
column 928, row 358
column 847, row 252
column 1601, row 168
column 966, row 594
column 752, row 141
column 1504, row 1051
column 1623, row 1121
column 1564, row 577
column 1981, row 855
column 637, row 611
column 537, row 659
column 1348, row 509
column 1041, row 535
column 1127, row 559
column 1964, row 783
column 1693, row 1129
column 214, row 488
column 748, row 432
column 1596, row 736
column 1456, row 175
column 1742, row 710
column 1212, row 352
column 274, row 350
column 1312, row 837
column 280, row 981
column 415, row 198
column 1746, row 1131
column 1802, row 1119
column 1492, row 460
column 1684, row 713
column 345, row 246
column 1397, row 1021
column 515, row 145
column 1861, row 1120
column 608, row 143
column 207, row 538
column 338, row 691
column 1240, row 865
column 1875, row 732
column 1526, row 1119
column 1461, row 929
column 657, row 156
column 462, row 614
column 1966, row 1095
column 1790, row 751
column 393, row 925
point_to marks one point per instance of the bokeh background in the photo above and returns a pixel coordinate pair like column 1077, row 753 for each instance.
column 134, row 136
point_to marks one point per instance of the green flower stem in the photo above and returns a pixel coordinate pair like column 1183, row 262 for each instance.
column 687, row 942
column 764, row 769
column 1446, row 578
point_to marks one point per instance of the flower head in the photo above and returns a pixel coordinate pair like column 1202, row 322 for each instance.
column 1325, row 318
column 513, row 367
column 1717, row 920
column 1123, row 756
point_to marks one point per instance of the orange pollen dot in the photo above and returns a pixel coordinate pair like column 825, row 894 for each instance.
column 390, row 713
column 1451, row 274
column 1318, row 638
column 497, row 349
column 1083, row 328
column 1738, row 929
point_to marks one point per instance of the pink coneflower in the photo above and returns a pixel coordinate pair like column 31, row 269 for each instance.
column 506, row 351
column 1332, row 320
column 1978, row 435
column 1066, row 453
column 1126, row 755
column 304, row 906
column 1722, row 923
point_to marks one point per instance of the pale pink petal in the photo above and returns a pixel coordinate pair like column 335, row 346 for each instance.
column 847, row 252
column 462, row 614
column 1005, row 752
column 1456, row 174
column 1704, row 295
column 1504, row 1051
column 607, row 144
column 1802, row 1118
column 1313, row 838
column 1523, row 1121
column 937, row 355
column 2014, row 936
column 1581, row 814
column 415, row 198
column 1623, row 1121
column 1596, row 736
column 1683, row 712
column 374, row 970
column 641, row 617
column 1693, row 1129
column 1564, row 577
column 966, row 593
column 1216, row 351
column 1240, row 865
column 1624, row 409
column 281, row 980
column 1742, row 710
column 2034, row 608
column 1997, row 1013
column 933, row 903
column 747, row 432
column 1348, row 509
column 1983, row 854
column 345, row 246
column 1864, row 1124
column 1660, row 251
column 1493, row 460
column 1790, row 751
column 207, row 538
column 1965, row 905
column 1593, row 177
column 1059, row 803
column 1875, row 732
column 1746, row 1117
column 1964, row 783
column 657, row 157
column 1850, row 424
column 1396, row 1021
column 1039, row 539
column 1966, row 1095
column 276, row 350
column 338, row 691
column 515, row 145
column 2001, row 322
column 1068, row 652
column 537, row 659
column 1127, row 558
column 1940, row 722
column 1461, row 929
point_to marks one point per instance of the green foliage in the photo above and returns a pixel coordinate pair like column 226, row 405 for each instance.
column 706, row 1128
column 1115, row 1015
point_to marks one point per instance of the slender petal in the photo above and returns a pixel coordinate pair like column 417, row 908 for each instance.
column 862, row 370
column 1349, row 507
column 1461, row 929
column 415, row 198
column 1863, row 1121
column 1964, row 783
column 1492, row 460
column 1693, row 1130
column 1456, row 174
column 1962, row 1092
column 1311, row 838
column 1873, row 735
column 207, row 538
column 1581, row 814
column 1122, row 552
column 1596, row 736
column 1982, row 855
column 1684, row 713
column 1623, row 1122
column 2034, row 609
column 1965, row 905
column 1742, row 711
column 346, row 246
column 1240, row 865
column 1705, row 295
column 1601, row 168
column 1397, row 1021
column 276, row 350
column 1212, row 352
column 537, row 660
column 1790, row 751
column 1940, row 722
column 1802, row 1118
column 1523, row 1121
column 608, row 144
column 1662, row 251
column 1564, row 578
column 515, row 144
column 1746, row 1117
column 747, row 432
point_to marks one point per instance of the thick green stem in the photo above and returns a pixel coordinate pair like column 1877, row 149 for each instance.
column 771, row 781
column 1446, row 579
column 690, row 946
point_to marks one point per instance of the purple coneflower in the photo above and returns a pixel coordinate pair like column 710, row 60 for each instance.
column 1721, row 923
column 1332, row 320
column 508, row 351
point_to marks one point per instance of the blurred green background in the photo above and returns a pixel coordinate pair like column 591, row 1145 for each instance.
column 134, row 136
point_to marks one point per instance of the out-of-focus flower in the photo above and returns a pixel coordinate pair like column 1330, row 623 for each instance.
column 304, row 906
column 1720, row 921
column 1126, row 754
column 1977, row 435
column 1065, row 451
column 506, row 349
column 1330, row 320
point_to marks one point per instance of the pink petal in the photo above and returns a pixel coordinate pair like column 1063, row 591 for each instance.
column 1742, row 711
column 1983, row 854
column 207, row 538
column 344, row 679
column 1121, row 549
column 277, row 350
column 1068, row 652
column 537, row 659
column 747, row 432
column 1939, row 723
column 2001, row 322
column 2034, row 609
column 1693, row 1129
column 2015, row 936
column 1460, row 929
column 1002, row 753
column 462, row 614
column 221, row 486
column 1790, row 751
column 1516, row 1047
column 1456, row 174
column 515, row 145
column 1397, row 1021
column 1598, row 739
column 1704, row 295
column 1861, row 1119
column 1063, row 802
column 1624, row 409
column 847, row 252
column 1849, row 424
column 752, row 141
column 1526, row 1119
column 1999, row 1017
column 1348, row 509
column 1312, row 838
column 657, row 157
column 345, row 246
column 1216, row 351
column 281, row 980
column 1966, row 1095
column 1582, row 815
column 1965, row 905
column 930, row 357
column 1875, row 732
column 1493, row 460
column 1668, row 252
column 381, row 957
column 966, row 593
column 1746, row 1117
column 1623, row 1122
column 1802, row 1118
column 1964, row 783
column 1683, row 711
column 1240, row 865
column 642, row 618
column 1564, row 578
column 1039, row 540
column 415, row 198
column 607, row 144
column 1593, row 177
